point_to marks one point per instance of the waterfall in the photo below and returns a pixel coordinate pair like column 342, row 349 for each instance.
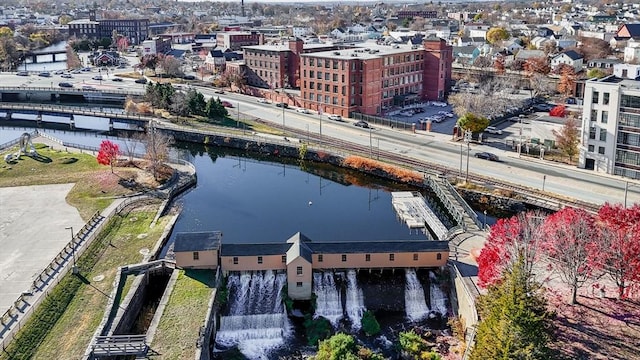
column 328, row 298
column 414, row 301
column 257, row 320
column 355, row 301
column 438, row 300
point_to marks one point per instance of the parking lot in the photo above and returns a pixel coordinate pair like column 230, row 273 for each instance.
column 432, row 110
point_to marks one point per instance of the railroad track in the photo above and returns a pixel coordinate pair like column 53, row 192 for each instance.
column 533, row 196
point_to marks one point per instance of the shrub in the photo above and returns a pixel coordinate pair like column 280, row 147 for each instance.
column 316, row 329
column 370, row 325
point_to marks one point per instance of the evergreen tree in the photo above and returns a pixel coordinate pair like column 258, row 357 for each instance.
column 515, row 323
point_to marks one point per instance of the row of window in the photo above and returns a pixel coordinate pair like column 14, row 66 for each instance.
column 266, row 64
column 629, row 173
column 592, row 134
column 330, row 99
column 591, row 148
column 596, row 98
column 632, row 139
column 627, row 119
column 628, row 157
column 630, row 101
column 604, row 116
column 367, row 257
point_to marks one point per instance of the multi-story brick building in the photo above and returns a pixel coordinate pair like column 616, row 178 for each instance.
column 235, row 40
column 135, row 30
column 373, row 78
column 611, row 123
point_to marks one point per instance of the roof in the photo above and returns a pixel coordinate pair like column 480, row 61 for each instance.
column 299, row 248
column 197, row 241
column 254, row 249
column 572, row 54
column 528, row 54
column 464, row 50
column 633, row 29
column 378, row 247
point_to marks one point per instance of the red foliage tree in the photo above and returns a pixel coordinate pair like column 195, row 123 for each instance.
column 568, row 234
column 617, row 249
column 510, row 238
column 108, row 153
column 499, row 65
column 558, row 111
column 539, row 65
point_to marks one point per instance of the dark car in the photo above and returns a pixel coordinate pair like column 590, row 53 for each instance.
column 487, row 156
column 116, row 79
column 363, row 124
column 227, row 104
column 282, row 105
column 189, row 77
column 141, row 81
column 23, row 73
column 65, row 84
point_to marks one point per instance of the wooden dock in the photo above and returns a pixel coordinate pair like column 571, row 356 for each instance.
column 412, row 208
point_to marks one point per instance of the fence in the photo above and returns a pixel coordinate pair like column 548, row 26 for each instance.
column 467, row 292
column 9, row 144
column 74, row 110
column 393, row 123
column 472, row 214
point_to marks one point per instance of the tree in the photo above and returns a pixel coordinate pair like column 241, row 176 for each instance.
column 482, row 61
column 540, row 84
column 617, row 249
column 6, row 31
column 496, row 34
column 472, row 122
column 515, row 323
column 539, row 65
column 596, row 73
column 214, row 109
column 179, row 104
column 196, row 102
column 567, row 235
column 370, row 325
column 499, row 64
column 567, row 82
column 149, row 62
column 338, row 347
column 518, row 236
column 568, row 138
column 412, row 344
column 157, row 145
column 108, row 153
column 171, row 66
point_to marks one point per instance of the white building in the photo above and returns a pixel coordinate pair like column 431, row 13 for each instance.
column 610, row 136
column 570, row 58
column 299, row 31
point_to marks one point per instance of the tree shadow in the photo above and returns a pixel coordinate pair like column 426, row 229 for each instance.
column 204, row 276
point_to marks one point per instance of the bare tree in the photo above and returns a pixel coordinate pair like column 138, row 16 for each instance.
column 157, row 148
column 171, row 66
column 131, row 142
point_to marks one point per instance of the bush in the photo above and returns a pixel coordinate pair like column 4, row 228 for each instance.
column 370, row 325
column 316, row 329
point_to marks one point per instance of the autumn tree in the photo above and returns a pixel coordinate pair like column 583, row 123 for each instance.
column 170, row 66
column 537, row 65
column 617, row 249
column 499, row 64
column 567, row 82
column 108, row 153
column 509, row 239
column 568, row 138
column 515, row 323
column 473, row 122
column 567, row 235
column 149, row 62
column 497, row 34
column 157, row 145
column 592, row 48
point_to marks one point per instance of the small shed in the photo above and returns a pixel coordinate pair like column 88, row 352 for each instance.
column 197, row 250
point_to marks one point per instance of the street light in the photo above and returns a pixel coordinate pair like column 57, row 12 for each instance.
column 484, row 220
column 74, row 269
column 544, row 179
column 370, row 145
column 467, row 139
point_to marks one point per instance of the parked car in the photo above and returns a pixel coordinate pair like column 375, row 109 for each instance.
column 65, row 85
column 97, row 77
column 493, row 130
column 282, row 105
column 303, row 111
column 487, row 156
column 363, row 124
column 439, row 103
column 45, row 74
column 23, row 73
column 335, row 117
column 141, row 81
column 116, row 79
column 77, row 71
column 88, row 88
column 227, row 104
column 218, row 91
column 189, row 77
column 86, row 69
column 66, row 76
column 58, row 72
column 263, row 101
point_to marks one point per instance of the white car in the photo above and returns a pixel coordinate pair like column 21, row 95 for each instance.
column 303, row 111
column 439, row 103
column 335, row 117
column 493, row 130
column 263, row 101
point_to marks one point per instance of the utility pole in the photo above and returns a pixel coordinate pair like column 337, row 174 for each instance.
column 370, row 145
column 460, row 159
column 544, row 179
column 626, row 189
column 238, row 121
column 467, row 139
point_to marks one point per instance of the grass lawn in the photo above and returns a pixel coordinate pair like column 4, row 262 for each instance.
column 72, row 333
column 95, row 185
column 183, row 316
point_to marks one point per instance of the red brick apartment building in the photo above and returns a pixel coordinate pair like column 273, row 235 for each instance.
column 376, row 77
column 235, row 40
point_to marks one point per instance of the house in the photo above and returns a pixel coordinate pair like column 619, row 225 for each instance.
column 338, row 33
column 465, row 54
column 513, row 46
column 602, row 63
column 529, row 54
column 632, row 51
column 539, row 41
column 570, row 58
column 565, row 42
column 105, row 58
column 197, row 250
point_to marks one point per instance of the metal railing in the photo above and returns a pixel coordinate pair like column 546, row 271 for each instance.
column 9, row 144
column 69, row 90
column 472, row 214
column 73, row 110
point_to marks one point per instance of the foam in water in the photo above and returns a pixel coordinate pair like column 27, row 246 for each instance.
column 328, row 298
column 438, row 300
column 355, row 301
column 257, row 321
column 414, row 301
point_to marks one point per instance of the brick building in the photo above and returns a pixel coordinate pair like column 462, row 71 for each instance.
column 135, row 30
column 235, row 40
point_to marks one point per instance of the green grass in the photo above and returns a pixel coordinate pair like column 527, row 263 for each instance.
column 62, row 327
column 183, row 316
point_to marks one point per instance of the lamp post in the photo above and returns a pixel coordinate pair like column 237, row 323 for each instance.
column 74, row 269
column 520, row 140
column 544, row 179
column 484, row 219
column 467, row 139
column 370, row 145
column 460, row 159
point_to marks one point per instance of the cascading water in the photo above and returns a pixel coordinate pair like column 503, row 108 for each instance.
column 355, row 301
column 438, row 298
column 257, row 320
column 328, row 298
column 414, row 301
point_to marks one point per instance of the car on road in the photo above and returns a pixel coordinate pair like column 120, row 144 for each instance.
column 86, row 69
column 363, row 124
column 439, row 104
column 218, row 91
column 487, row 156
column 58, row 72
column 45, row 74
column 23, row 73
column 77, row 71
column 189, row 77
column 303, row 111
column 493, row 130
column 227, row 104
column 66, row 76
column 97, row 77
column 263, row 101
column 282, row 105
column 65, row 85
column 88, row 87
column 335, row 117
column 141, row 81
column 116, row 79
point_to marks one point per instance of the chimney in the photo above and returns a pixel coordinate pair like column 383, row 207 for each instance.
column 242, row 7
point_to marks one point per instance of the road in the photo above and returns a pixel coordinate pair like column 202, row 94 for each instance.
column 435, row 147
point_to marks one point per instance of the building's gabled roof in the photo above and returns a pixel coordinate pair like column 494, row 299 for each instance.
column 299, row 249
column 606, row 61
column 633, row 29
column 197, row 241
column 254, row 249
column 572, row 55
column 464, row 50
column 371, row 247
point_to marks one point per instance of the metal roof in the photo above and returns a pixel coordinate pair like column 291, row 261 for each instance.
column 197, row 241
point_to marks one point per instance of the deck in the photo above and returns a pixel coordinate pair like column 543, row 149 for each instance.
column 412, row 208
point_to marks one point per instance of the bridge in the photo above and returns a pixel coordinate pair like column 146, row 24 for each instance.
column 33, row 55
column 12, row 93
column 119, row 345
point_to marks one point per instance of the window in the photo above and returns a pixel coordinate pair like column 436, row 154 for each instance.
column 605, row 98
column 284, row 259
column 596, row 95
column 392, row 257
column 320, row 258
column 591, row 148
column 344, row 258
column 439, row 256
column 594, row 115
column 605, row 117
column 603, row 135
column 299, row 284
column 299, row 270
column 415, row 257
column 196, row 255
column 235, row 260
column 601, row 150
column 367, row 257
column 259, row 259
column 592, row 133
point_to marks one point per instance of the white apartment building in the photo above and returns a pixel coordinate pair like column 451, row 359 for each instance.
column 610, row 136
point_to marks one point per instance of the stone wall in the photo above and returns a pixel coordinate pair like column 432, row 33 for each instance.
column 493, row 201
